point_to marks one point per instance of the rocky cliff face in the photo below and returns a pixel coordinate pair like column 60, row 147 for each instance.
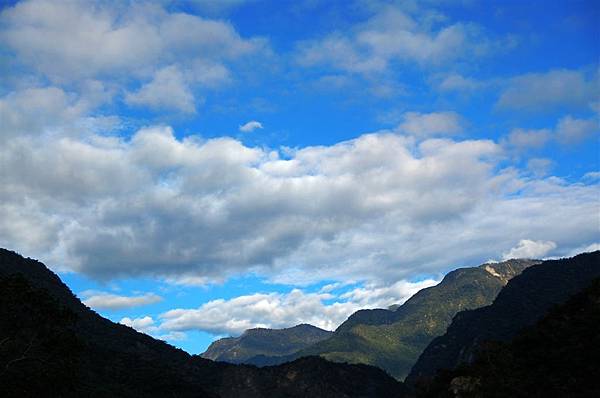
column 507, row 270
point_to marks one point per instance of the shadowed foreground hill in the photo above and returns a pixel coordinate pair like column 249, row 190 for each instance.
column 394, row 339
column 265, row 342
column 557, row 357
column 53, row 345
column 525, row 299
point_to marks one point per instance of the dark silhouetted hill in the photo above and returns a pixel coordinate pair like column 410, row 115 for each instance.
column 525, row 299
column 557, row 357
column 53, row 345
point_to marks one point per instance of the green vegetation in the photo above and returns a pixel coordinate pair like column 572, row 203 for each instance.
column 525, row 300
column 52, row 345
column 265, row 342
column 393, row 340
column 557, row 357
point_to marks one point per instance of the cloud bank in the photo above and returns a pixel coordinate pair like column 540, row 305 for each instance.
column 109, row 301
column 277, row 310
column 379, row 207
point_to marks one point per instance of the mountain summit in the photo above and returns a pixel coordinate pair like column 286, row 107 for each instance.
column 265, row 342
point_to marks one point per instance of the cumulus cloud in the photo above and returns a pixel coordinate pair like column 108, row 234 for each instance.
column 523, row 140
column 572, row 130
column 382, row 296
column 119, row 37
column 375, row 208
column 540, row 167
column 430, row 124
column 280, row 310
column 392, row 35
column 251, row 126
column 592, row 175
column 586, row 249
column 167, row 91
column 456, row 82
column 527, row 248
column 147, row 325
column 568, row 131
column 51, row 110
column 144, row 324
column 550, row 90
column 109, row 301
column 168, row 55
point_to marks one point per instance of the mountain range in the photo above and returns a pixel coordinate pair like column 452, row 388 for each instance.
column 391, row 339
column 538, row 337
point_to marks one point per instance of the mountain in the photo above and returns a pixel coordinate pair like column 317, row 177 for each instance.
column 265, row 342
column 53, row 345
column 525, row 299
column 556, row 357
column 393, row 339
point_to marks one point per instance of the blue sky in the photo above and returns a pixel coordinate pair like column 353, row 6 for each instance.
column 196, row 168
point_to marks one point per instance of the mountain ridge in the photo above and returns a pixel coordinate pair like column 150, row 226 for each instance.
column 525, row 299
column 360, row 338
column 52, row 344
column 555, row 357
column 265, row 342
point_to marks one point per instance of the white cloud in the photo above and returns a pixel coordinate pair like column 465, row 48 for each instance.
column 106, row 38
column 540, row 167
column 550, row 90
column 568, row 131
column 217, row 6
column 456, row 82
column 280, row 310
column 147, row 325
column 375, row 296
column 586, row 249
column 389, row 36
column 523, row 140
column 424, row 125
column 530, row 249
column 109, row 301
column 144, row 324
column 572, row 131
column 592, row 175
column 251, row 126
column 166, row 91
column 171, row 55
column 51, row 110
column 376, row 208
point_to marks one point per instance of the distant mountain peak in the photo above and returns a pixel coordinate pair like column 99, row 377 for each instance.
column 265, row 342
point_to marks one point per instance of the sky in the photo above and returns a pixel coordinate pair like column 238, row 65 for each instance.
column 196, row 168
